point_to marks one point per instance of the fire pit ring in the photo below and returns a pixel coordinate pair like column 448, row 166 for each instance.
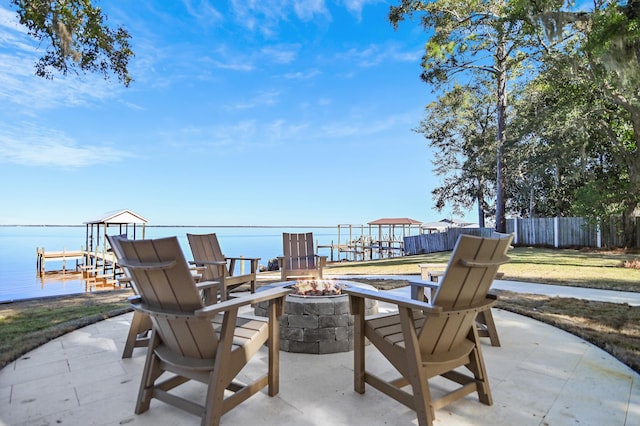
column 317, row 324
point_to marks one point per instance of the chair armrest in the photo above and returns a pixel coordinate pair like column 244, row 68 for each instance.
column 232, row 264
column 207, row 284
column 429, row 284
column 237, row 302
column 391, row 298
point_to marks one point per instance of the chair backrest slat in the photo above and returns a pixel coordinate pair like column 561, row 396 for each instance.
column 207, row 247
column 298, row 250
column 114, row 242
column 173, row 294
column 463, row 286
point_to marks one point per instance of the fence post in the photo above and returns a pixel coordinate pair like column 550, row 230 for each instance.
column 556, row 232
column 598, row 234
column 515, row 231
column 533, row 231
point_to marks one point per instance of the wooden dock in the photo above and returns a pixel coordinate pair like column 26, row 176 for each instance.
column 364, row 248
column 101, row 265
column 64, row 255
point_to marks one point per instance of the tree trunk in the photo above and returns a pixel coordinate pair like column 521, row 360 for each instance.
column 532, row 202
column 501, row 75
column 480, row 201
column 629, row 226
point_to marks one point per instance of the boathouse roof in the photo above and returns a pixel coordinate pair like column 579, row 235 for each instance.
column 395, row 221
column 119, row 217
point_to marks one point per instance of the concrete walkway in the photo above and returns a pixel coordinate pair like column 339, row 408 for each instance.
column 633, row 299
column 540, row 376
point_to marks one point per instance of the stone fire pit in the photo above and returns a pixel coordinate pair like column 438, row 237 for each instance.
column 317, row 324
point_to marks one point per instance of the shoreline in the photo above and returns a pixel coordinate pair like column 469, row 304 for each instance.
column 55, row 297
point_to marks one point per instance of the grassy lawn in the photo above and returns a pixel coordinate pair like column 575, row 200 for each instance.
column 613, row 327
column 604, row 270
column 28, row 324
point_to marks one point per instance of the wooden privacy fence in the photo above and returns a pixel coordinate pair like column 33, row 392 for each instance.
column 543, row 232
column 440, row 241
column 567, row 232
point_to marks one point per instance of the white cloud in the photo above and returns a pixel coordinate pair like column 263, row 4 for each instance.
column 202, row 138
column 27, row 144
column 203, row 11
column 281, row 54
column 261, row 99
column 248, row 134
column 19, row 86
column 12, row 34
column 307, row 10
column 355, row 6
column 374, row 55
column 264, row 16
column 299, row 75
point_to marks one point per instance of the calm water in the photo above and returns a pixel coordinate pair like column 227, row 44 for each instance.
column 19, row 278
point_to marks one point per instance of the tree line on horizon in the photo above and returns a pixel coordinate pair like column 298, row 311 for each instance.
column 538, row 106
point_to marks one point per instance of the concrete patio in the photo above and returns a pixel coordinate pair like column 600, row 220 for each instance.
column 540, row 376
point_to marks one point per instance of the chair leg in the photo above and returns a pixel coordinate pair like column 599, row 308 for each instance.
column 422, row 398
column 273, row 347
column 476, row 366
column 254, row 271
column 357, row 309
column 150, row 373
column 485, row 318
column 417, row 375
column 140, row 323
column 218, row 381
column 214, row 401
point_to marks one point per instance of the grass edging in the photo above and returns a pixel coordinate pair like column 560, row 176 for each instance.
column 26, row 325
column 612, row 327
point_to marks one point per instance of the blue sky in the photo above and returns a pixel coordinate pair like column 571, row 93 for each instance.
column 241, row 113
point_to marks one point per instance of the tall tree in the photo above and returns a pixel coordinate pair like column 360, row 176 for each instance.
column 553, row 133
column 607, row 60
column 77, row 38
column 481, row 36
column 460, row 127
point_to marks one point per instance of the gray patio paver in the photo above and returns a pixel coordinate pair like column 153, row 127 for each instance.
column 540, row 376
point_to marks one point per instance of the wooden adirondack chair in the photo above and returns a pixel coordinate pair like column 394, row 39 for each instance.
column 140, row 328
column 299, row 259
column 209, row 344
column 425, row 340
column 431, row 274
column 207, row 253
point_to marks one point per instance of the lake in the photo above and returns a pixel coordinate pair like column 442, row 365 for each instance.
column 19, row 278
